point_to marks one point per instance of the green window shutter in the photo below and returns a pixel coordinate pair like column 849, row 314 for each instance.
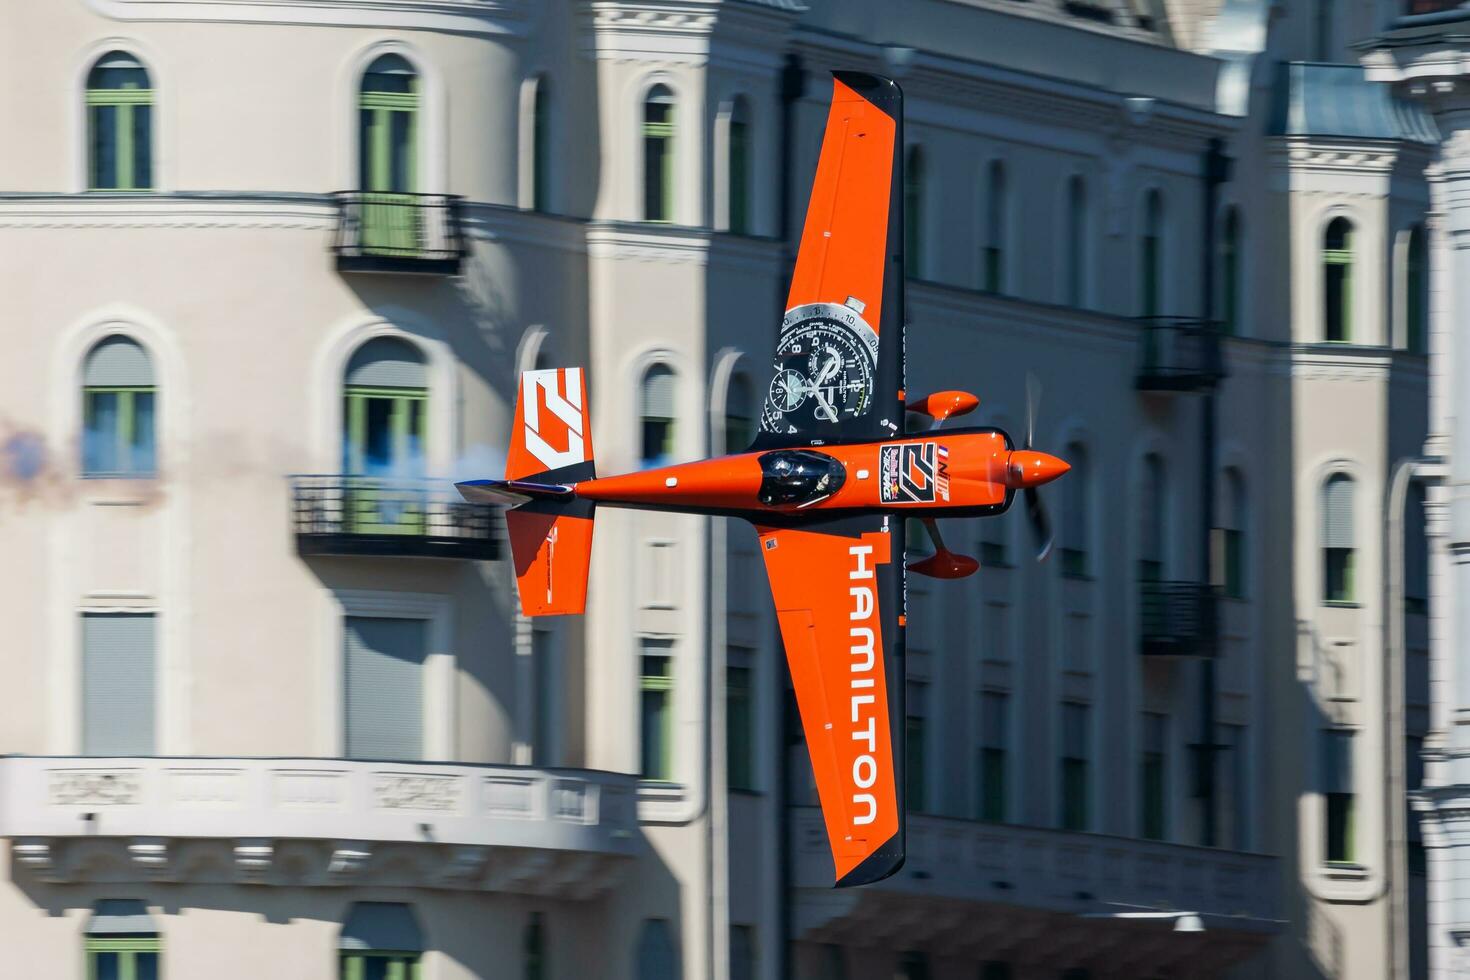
column 658, row 155
column 118, row 681
column 384, row 687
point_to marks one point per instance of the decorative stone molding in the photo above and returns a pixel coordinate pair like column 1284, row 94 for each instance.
column 464, row 864
column 254, row 859
column 485, row 17
column 150, row 854
column 33, row 854
column 405, row 791
column 349, row 858
column 316, row 212
column 93, row 787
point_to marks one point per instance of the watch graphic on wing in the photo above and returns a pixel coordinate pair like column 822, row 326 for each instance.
column 825, row 361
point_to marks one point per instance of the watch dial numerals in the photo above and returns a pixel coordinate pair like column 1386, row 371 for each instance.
column 824, row 368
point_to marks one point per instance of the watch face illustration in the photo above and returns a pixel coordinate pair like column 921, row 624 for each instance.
column 825, row 362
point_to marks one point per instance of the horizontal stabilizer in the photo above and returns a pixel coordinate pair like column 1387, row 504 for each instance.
column 510, row 493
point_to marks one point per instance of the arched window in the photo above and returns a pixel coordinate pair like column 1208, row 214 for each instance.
column 541, row 147
column 658, row 155
column 656, row 410
column 1231, row 513
column 387, row 154
column 385, row 410
column 1338, row 539
column 913, row 212
column 119, row 124
column 535, row 947
column 994, row 256
column 1151, row 528
column 656, row 960
column 739, row 415
column 1076, row 258
column 1337, row 281
column 1151, row 255
column 738, row 172
column 118, row 400
column 1416, row 292
column 1230, row 272
column 1074, row 542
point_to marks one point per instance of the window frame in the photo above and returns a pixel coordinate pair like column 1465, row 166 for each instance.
column 352, row 963
column 665, row 132
column 125, row 435
column 1339, row 259
column 660, row 684
column 669, row 422
column 127, row 947
column 738, row 159
column 128, row 153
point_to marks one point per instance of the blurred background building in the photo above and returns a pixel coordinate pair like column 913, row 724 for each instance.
column 270, row 271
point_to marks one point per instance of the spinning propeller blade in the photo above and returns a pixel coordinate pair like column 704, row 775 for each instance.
column 1041, row 531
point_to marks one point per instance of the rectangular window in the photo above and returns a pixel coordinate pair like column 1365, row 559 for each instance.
column 118, row 682
column 384, row 687
column 658, row 162
column 1074, row 562
column 916, row 711
column 1337, row 795
column 1233, row 546
column 123, row 957
column 739, row 719
column 739, row 177
column 1074, row 765
column 117, row 431
column 1153, row 768
column 1338, row 574
column 994, row 727
column 374, row 965
column 656, row 688
column 1235, row 798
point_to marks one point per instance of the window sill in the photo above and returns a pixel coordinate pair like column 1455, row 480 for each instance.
column 1345, row 871
column 1078, row 577
column 1341, row 604
column 118, row 476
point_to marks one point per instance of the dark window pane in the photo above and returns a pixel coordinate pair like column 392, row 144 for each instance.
column 143, row 451
column 401, row 135
column 366, row 136
column 657, row 439
column 375, row 968
column 1339, row 574
column 379, row 437
column 107, row 966
column 104, row 147
column 1337, row 302
column 655, row 178
column 142, row 147
column 100, row 433
column 1340, row 827
column 915, row 794
column 655, row 751
column 145, row 966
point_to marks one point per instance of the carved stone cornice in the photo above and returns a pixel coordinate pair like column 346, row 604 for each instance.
column 484, row 17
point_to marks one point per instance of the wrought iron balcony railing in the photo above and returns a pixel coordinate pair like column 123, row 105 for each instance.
column 358, row 515
column 1177, row 354
column 379, row 231
column 1177, row 619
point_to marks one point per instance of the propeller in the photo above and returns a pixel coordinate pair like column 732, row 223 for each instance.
column 1041, row 530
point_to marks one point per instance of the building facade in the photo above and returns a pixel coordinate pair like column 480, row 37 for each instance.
column 271, row 272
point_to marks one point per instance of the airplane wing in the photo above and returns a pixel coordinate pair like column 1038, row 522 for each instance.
column 839, row 592
column 839, row 353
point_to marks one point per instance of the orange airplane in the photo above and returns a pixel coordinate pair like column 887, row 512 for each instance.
column 828, row 481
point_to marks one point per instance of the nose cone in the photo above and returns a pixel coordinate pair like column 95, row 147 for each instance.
column 1031, row 469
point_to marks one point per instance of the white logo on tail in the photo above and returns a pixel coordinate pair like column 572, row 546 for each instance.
column 568, row 409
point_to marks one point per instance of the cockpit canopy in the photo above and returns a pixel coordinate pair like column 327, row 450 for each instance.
column 798, row 477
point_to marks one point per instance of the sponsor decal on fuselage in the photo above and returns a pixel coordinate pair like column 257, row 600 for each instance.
column 913, row 473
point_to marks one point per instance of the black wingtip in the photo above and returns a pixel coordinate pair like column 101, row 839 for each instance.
column 882, row 863
column 881, row 91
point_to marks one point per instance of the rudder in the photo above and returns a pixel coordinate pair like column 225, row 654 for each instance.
column 551, row 539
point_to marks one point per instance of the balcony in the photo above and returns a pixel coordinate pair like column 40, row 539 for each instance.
column 1178, row 355
column 981, row 891
column 404, row 233
column 1177, row 619
column 320, row 822
column 337, row 515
